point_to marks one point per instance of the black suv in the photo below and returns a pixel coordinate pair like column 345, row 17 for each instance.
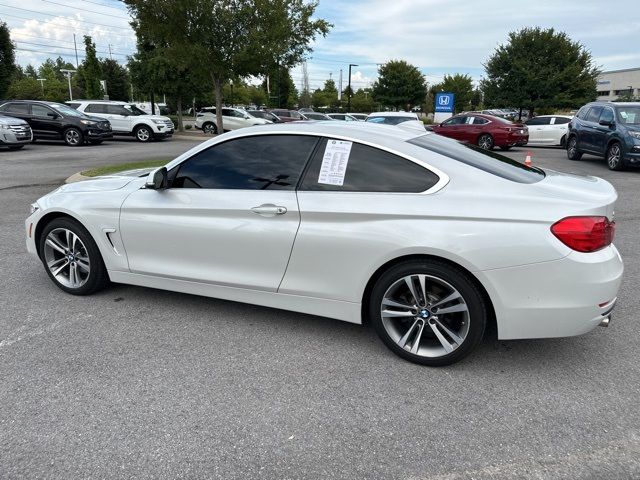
column 56, row 121
column 607, row 129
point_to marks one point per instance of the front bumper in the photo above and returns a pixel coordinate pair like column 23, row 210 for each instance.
column 95, row 134
column 16, row 135
column 632, row 155
column 561, row 298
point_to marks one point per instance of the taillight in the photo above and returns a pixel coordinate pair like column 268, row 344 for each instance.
column 584, row 234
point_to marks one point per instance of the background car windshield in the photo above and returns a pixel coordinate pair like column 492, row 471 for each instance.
column 474, row 156
column 389, row 120
column 67, row 110
column 135, row 110
column 503, row 120
column 629, row 115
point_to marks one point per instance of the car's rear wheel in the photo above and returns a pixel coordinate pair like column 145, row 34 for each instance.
column 73, row 137
column 143, row 134
column 614, row 157
column 210, row 128
column 428, row 312
column 572, row 149
column 485, row 141
column 71, row 257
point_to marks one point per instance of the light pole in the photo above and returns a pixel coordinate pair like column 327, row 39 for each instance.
column 349, row 88
column 231, row 82
column 68, row 73
column 41, row 80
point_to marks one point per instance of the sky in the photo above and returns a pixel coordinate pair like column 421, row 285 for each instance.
column 438, row 36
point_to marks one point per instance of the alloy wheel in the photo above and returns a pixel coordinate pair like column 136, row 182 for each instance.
column 67, row 258
column 485, row 142
column 209, row 128
column 425, row 315
column 613, row 158
column 72, row 137
column 143, row 134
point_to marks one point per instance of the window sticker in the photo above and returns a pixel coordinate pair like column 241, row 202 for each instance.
column 334, row 162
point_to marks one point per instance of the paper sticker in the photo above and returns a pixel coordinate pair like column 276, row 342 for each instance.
column 334, row 162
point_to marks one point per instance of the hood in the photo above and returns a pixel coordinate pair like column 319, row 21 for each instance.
column 96, row 119
column 632, row 128
column 11, row 121
column 98, row 184
column 155, row 117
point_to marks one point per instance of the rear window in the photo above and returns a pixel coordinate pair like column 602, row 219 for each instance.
column 389, row 120
column 484, row 160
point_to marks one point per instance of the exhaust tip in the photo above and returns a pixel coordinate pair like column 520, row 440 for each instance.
column 605, row 321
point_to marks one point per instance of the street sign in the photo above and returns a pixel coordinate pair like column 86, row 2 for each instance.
column 445, row 102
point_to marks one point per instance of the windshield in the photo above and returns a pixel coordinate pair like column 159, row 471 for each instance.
column 504, row 120
column 389, row 120
column 67, row 110
column 629, row 115
column 135, row 110
column 477, row 157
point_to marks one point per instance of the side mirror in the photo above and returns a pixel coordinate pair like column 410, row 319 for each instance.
column 52, row 115
column 606, row 123
column 157, row 180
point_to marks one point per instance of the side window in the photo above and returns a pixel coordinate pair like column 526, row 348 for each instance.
column 16, row 108
column 480, row 121
column 40, row 111
column 454, row 121
column 366, row 169
column 117, row 110
column 226, row 112
column 73, row 105
column 539, row 121
column 273, row 162
column 96, row 108
column 594, row 114
column 606, row 115
column 561, row 120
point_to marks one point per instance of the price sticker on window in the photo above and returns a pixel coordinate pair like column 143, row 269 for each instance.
column 334, row 162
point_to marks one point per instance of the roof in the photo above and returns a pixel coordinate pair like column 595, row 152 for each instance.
column 393, row 114
column 117, row 102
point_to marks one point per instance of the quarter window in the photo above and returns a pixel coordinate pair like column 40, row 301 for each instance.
column 369, row 169
column 263, row 162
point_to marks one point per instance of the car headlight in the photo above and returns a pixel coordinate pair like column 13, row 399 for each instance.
column 33, row 208
column 635, row 135
column 157, row 121
column 89, row 122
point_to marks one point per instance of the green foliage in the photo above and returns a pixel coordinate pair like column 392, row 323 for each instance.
column 362, row 101
column 327, row 97
column 283, row 93
column 117, row 78
column 91, row 72
column 399, row 85
column 461, row 85
column 27, row 88
column 540, row 68
column 7, row 59
column 30, row 71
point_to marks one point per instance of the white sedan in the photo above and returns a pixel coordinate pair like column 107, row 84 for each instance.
column 427, row 239
column 548, row 129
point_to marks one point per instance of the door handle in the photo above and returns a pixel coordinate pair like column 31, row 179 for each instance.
column 269, row 210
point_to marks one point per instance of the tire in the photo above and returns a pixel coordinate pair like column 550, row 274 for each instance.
column 505, row 148
column 73, row 137
column 15, row 147
column 485, row 141
column 459, row 331
column 572, row 149
column 78, row 271
column 143, row 133
column 614, row 157
column 210, row 128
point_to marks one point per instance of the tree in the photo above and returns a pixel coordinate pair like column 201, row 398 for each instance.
column 399, row 85
column 362, row 101
column 461, row 85
column 230, row 38
column 7, row 59
column 540, row 68
column 117, row 78
column 30, row 71
column 91, row 73
column 282, row 91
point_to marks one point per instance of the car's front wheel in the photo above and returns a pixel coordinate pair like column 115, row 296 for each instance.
column 143, row 134
column 71, row 257
column 210, row 128
column 428, row 312
column 73, row 137
column 614, row 157
column 485, row 141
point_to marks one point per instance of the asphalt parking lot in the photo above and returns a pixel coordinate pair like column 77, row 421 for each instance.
column 135, row 382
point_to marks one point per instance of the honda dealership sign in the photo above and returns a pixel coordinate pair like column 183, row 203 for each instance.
column 445, row 102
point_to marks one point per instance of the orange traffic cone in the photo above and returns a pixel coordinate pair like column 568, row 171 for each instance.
column 527, row 160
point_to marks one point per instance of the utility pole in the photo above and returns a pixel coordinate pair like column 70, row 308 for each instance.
column 68, row 73
column 340, row 87
column 41, row 80
column 76, row 49
column 349, row 92
column 110, row 57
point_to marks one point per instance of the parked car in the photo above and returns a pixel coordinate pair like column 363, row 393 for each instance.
column 264, row 114
column 345, row 117
column 404, row 120
column 316, row 116
column 548, row 129
column 485, row 131
column 286, row 115
column 15, row 133
column 127, row 119
column 232, row 119
column 361, row 117
column 466, row 237
column 57, row 121
column 606, row 129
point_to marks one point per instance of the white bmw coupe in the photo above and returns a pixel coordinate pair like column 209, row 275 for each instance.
column 427, row 239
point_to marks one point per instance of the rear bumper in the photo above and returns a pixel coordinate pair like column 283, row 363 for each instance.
column 562, row 298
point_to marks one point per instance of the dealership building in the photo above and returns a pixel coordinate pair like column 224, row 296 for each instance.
column 615, row 83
